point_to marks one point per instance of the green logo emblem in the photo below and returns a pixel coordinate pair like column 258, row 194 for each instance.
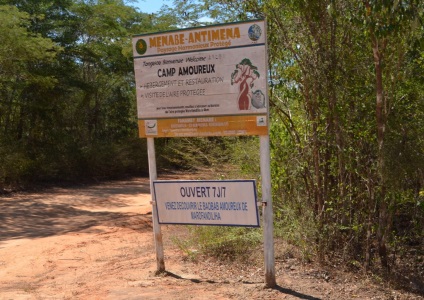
column 141, row 46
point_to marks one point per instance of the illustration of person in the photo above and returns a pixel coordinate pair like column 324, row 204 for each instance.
column 244, row 75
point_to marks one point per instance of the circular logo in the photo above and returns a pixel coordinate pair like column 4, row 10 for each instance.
column 141, row 46
column 254, row 32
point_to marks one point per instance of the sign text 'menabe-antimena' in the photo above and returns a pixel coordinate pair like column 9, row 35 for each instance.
column 201, row 36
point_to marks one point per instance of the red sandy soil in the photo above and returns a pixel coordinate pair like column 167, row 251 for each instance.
column 96, row 242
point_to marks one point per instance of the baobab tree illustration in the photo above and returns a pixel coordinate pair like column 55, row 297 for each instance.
column 244, row 74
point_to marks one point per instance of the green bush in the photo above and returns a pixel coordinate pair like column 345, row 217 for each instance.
column 15, row 166
column 20, row 166
column 225, row 243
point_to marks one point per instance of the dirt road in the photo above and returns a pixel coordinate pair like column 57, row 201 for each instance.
column 96, row 242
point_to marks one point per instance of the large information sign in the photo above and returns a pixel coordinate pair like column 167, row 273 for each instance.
column 218, row 202
column 217, row 72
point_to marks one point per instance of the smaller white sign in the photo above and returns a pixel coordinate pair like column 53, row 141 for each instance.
column 151, row 127
column 210, row 202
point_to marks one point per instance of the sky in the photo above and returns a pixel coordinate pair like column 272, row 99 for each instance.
column 151, row 6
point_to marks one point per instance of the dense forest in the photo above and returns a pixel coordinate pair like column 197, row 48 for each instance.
column 346, row 82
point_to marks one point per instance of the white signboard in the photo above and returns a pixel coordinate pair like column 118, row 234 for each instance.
column 221, row 202
column 208, row 71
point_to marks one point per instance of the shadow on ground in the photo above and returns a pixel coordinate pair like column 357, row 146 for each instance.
column 63, row 210
column 278, row 288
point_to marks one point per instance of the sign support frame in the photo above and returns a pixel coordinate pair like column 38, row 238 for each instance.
column 151, row 123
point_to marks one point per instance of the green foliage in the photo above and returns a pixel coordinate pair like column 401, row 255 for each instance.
column 67, row 97
column 225, row 243
column 14, row 166
column 245, row 154
column 298, row 228
column 343, row 179
column 199, row 153
column 26, row 47
column 71, row 162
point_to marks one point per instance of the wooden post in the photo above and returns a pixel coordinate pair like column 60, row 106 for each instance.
column 156, row 227
column 267, row 212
